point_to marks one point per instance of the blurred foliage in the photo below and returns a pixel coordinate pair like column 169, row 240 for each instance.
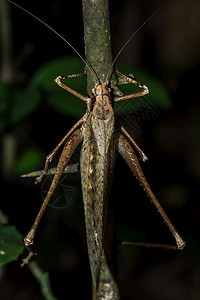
column 28, row 160
column 158, row 95
column 43, row 279
column 17, row 104
column 58, row 99
column 11, row 244
column 67, row 104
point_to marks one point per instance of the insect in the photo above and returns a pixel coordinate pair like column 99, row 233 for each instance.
column 96, row 131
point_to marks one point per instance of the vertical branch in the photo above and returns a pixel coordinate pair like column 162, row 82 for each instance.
column 97, row 39
column 99, row 55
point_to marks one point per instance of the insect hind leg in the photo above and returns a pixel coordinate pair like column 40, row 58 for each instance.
column 125, row 149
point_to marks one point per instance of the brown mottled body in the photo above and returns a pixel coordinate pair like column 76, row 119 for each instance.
column 97, row 157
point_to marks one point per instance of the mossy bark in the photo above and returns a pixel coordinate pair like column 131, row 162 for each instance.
column 97, row 40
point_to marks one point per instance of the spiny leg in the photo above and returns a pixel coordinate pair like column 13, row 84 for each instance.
column 152, row 245
column 54, row 151
column 59, row 81
column 125, row 149
column 76, row 75
column 143, row 92
column 67, row 152
column 141, row 153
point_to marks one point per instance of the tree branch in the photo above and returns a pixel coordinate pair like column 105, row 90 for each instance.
column 97, row 39
column 99, row 56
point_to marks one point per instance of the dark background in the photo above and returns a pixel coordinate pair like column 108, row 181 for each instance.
column 168, row 48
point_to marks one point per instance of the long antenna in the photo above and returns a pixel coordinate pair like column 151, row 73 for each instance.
column 45, row 24
column 128, row 41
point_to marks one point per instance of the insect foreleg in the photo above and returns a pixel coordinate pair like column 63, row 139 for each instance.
column 76, row 75
column 59, row 81
column 143, row 92
column 125, row 149
column 54, row 151
column 67, row 152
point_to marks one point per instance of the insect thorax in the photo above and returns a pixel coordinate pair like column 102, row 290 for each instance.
column 101, row 102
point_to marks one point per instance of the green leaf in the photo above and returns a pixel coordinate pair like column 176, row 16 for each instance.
column 30, row 159
column 66, row 104
column 57, row 98
column 158, row 97
column 11, row 244
column 45, row 75
column 16, row 104
column 24, row 104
